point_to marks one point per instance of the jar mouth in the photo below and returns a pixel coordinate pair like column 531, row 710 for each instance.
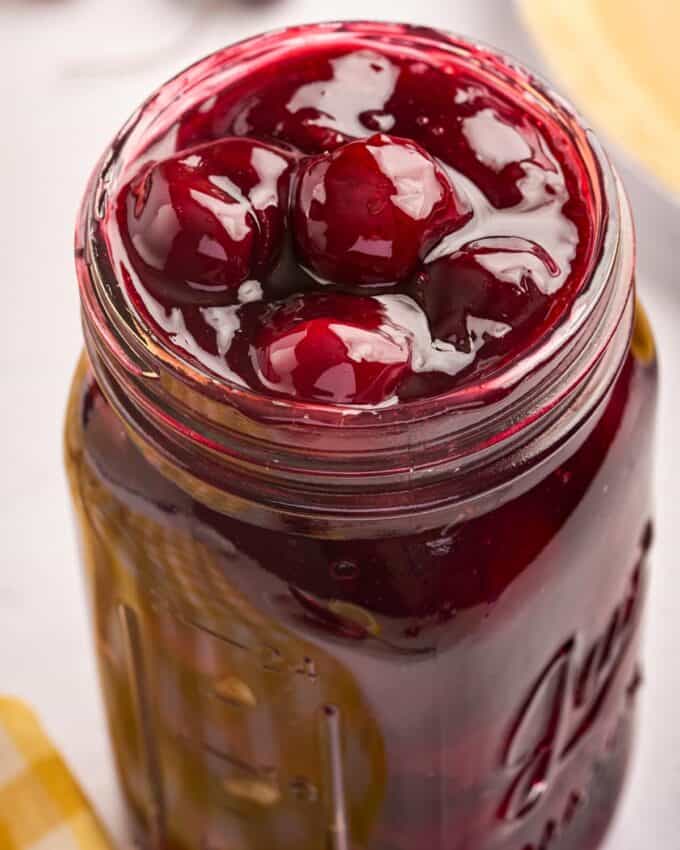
column 211, row 411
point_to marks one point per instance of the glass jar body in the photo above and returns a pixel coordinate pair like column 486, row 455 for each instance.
column 471, row 685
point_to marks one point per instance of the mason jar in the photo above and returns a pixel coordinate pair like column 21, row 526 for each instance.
column 411, row 628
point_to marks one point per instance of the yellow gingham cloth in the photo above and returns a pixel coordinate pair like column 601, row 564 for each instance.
column 41, row 805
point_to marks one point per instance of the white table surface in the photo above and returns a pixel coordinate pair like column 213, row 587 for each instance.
column 70, row 73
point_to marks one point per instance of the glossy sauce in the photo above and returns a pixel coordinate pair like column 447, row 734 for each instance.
column 354, row 227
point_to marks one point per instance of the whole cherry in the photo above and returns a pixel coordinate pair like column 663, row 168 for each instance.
column 199, row 224
column 365, row 213
column 498, row 280
column 331, row 348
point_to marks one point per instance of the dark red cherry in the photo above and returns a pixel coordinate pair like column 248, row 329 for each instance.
column 365, row 213
column 331, row 348
column 197, row 225
column 503, row 280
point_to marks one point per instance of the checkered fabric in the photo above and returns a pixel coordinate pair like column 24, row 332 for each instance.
column 41, row 805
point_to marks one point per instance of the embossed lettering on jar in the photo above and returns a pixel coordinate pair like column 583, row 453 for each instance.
column 360, row 451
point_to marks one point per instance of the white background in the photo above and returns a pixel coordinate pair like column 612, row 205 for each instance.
column 71, row 71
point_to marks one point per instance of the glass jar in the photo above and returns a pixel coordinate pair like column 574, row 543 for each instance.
column 407, row 629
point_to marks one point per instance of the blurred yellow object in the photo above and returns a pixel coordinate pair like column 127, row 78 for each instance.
column 621, row 63
column 41, row 805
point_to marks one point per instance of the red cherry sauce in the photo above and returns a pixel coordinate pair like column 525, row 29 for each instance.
column 362, row 226
column 355, row 227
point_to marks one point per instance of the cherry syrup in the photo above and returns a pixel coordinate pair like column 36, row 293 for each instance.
column 355, row 226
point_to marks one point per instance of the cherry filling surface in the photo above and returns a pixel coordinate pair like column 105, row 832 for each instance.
column 357, row 227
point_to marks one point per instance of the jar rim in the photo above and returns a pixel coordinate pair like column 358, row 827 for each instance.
column 158, row 379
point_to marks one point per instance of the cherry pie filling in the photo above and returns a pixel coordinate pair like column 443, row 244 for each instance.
column 356, row 228
column 366, row 226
